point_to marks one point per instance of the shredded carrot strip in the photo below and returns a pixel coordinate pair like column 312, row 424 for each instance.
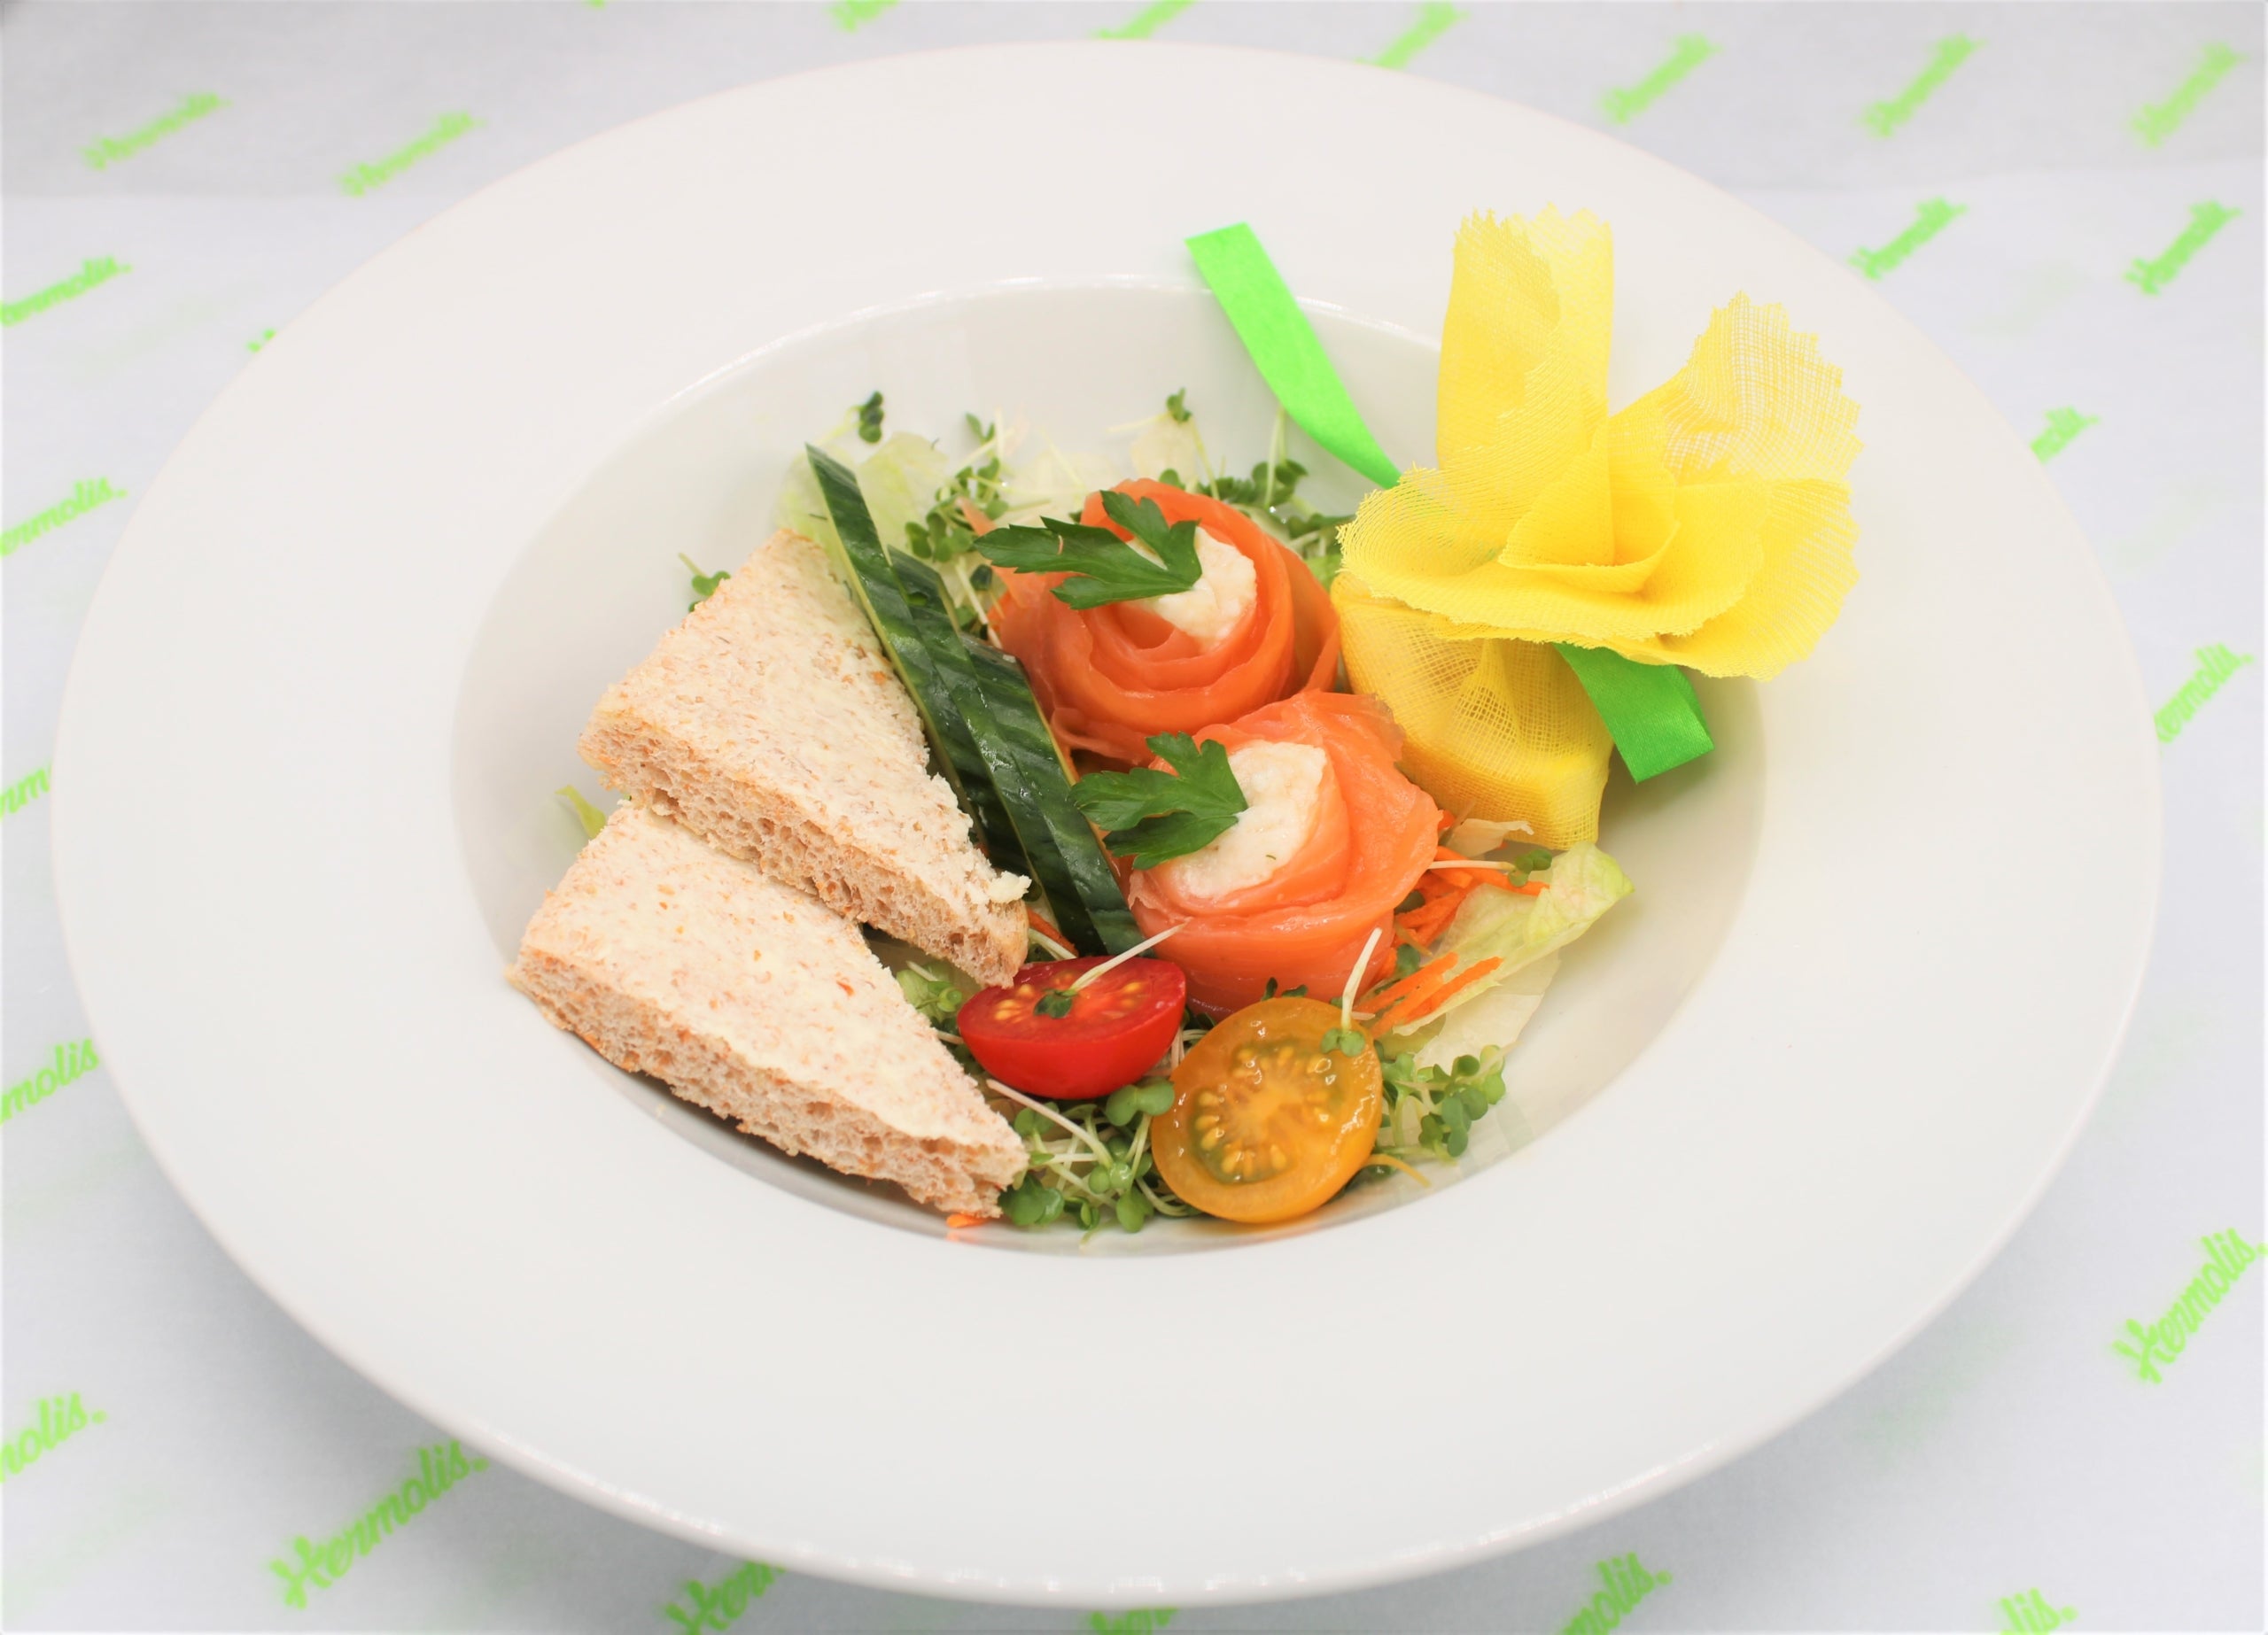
column 1040, row 923
column 1394, row 990
column 977, row 519
column 952, row 1222
column 1411, row 1002
column 1428, row 920
column 1391, row 1162
column 1440, row 995
column 1533, row 888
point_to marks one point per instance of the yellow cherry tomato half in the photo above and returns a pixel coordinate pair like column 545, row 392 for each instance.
column 1266, row 1124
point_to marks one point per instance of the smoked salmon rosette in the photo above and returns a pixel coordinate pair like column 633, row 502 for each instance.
column 1332, row 839
column 1257, row 627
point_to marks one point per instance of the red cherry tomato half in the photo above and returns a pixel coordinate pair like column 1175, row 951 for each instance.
column 1034, row 1037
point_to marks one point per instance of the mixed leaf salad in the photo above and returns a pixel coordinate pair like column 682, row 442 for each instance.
column 1265, row 964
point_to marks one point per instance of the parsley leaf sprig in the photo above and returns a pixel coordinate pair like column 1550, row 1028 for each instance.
column 1103, row 567
column 1151, row 815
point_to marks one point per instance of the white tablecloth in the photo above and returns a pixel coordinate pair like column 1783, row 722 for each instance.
column 191, row 1432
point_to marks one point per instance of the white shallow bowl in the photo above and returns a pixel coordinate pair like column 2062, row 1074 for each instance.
column 1781, row 1107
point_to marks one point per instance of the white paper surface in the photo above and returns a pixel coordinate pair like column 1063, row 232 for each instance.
column 2008, row 1449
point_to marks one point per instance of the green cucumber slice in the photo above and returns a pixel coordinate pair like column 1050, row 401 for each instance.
column 865, row 566
column 932, row 616
column 1091, row 882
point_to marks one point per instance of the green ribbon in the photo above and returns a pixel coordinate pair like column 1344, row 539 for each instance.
column 1650, row 709
column 1284, row 344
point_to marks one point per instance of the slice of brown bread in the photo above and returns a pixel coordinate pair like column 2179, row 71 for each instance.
column 770, row 724
column 751, row 999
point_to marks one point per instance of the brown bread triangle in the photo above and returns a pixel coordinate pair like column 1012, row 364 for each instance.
column 770, row 724
column 754, row 1000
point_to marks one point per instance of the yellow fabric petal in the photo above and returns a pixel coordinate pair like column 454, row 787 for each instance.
column 1714, row 550
column 1808, row 539
column 1706, row 524
column 1755, row 399
column 1523, row 380
column 1495, row 728
column 1572, row 521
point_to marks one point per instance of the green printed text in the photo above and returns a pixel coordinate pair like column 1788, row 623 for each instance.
column 106, row 150
column 1930, row 220
column 2215, row 665
column 2063, row 424
column 1140, row 1621
column 1626, row 1585
column 60, row 1418
column 23, row 792
column 2152, row 275
column 848, row 14
column 2228, row 1255
column 72, row 1062
column 2157, row 120
column 2029, row 1614
column 84, row 498
column 439, row 1468
column 1624, row 103
column 446, row 130
column 1434, row 19
column 1146, row 21
column 99, row 269
column 716, row 1606
column 1881, row 118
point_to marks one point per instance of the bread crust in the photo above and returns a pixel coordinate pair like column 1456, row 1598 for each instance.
column 751, row 999
column 769, row 723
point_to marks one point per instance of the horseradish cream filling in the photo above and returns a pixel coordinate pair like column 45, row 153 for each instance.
column 1208, row 610
column 1282, row 792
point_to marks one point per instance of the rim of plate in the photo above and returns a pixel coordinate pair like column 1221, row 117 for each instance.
column 1869, row 1089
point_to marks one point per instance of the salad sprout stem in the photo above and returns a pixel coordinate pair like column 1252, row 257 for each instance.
column 1102, row 1152
column 1054, row 947
column 1176, row 1207
column 1112, row 963
column 1354, row 978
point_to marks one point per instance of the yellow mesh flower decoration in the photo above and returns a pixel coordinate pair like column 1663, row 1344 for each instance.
column 1706, row 524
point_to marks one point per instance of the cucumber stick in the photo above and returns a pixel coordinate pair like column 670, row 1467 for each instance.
column 982, row 713
column 1089, row 880
column 866, row 566
column 925, row 595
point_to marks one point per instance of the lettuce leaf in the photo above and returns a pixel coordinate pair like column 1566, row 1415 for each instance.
column 899, row 480
column 1493, row 1021
column 1581, row 884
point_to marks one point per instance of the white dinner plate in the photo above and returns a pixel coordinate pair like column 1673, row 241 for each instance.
column 1781, row 1107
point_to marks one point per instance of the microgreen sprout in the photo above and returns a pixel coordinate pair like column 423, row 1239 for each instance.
column 945, row 535
column 1092, row 1162
column 704, row 584
column 938, row 994
column 870, row 419
column 589, row 816
column 1355, row 977
column 1089, row 975
column 1176, row 408
column 1056, row 1001
column 1432, row 1110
